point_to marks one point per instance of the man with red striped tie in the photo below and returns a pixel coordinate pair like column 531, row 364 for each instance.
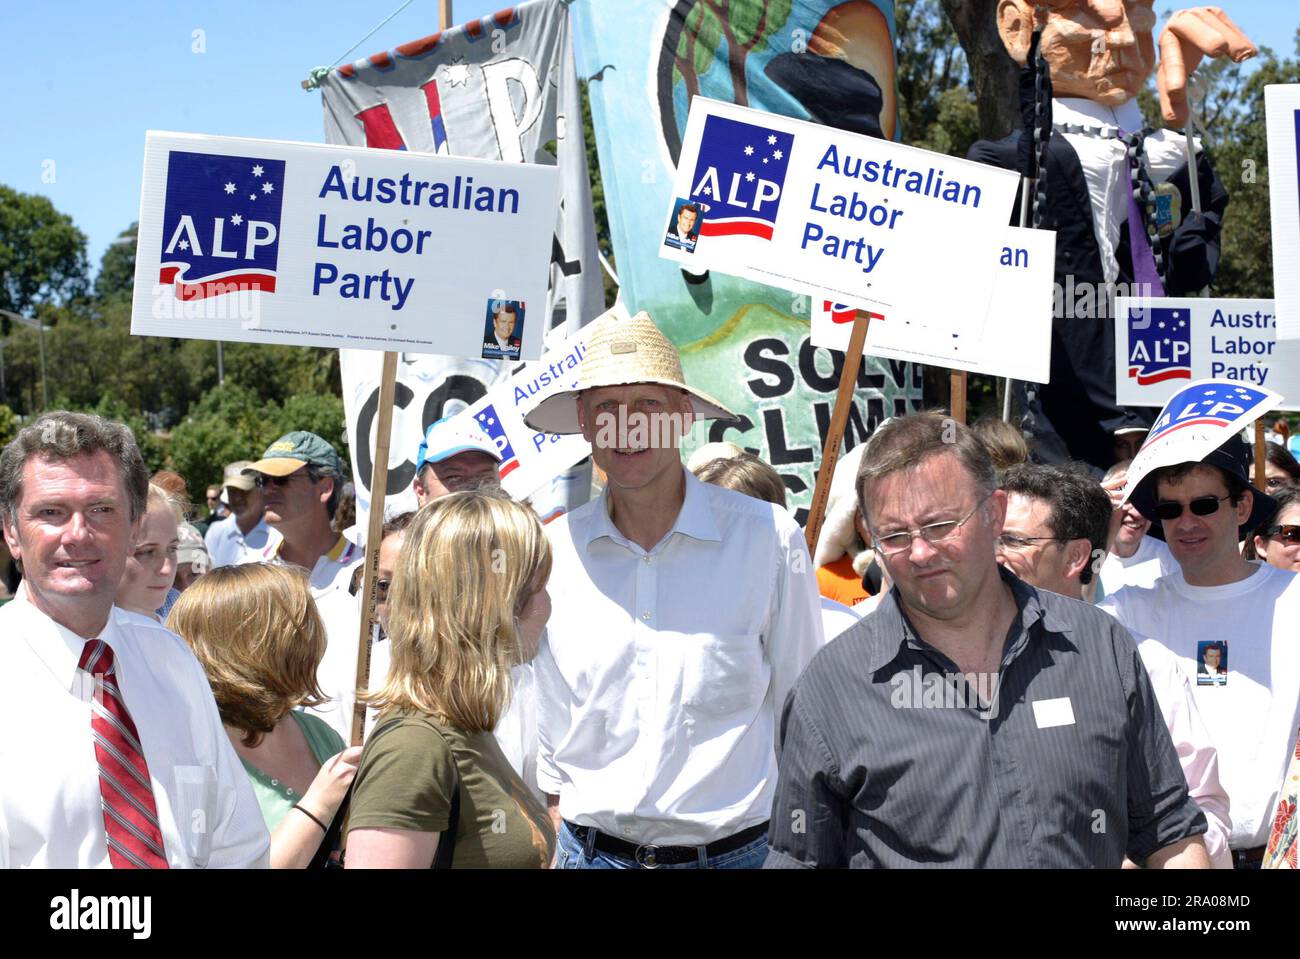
column 112, row 753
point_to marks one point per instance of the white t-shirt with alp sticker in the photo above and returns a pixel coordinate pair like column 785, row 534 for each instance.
column 1253, row 712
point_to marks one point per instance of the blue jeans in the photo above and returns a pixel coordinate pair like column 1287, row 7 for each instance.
column 571, row 854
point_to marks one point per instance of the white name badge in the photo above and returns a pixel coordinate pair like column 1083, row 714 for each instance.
column 1053, row 712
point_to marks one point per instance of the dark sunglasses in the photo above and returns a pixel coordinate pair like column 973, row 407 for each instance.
column 262, row 481
column 1201, row 506
column 1290, row 534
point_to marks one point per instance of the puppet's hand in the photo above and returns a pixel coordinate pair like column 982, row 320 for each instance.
column 1189, row 36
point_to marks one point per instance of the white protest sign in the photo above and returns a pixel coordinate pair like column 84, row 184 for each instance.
column 1197, row 420
column 534, row 465
column 1282, row 114
column 1161, row 343
column 303, row 244
column 530, row 459
column 810, row 208
column 1017, row 337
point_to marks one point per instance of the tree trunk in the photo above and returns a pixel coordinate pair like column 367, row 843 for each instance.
column 993, row 72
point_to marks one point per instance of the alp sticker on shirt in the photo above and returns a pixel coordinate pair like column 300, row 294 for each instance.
column 1212, row 663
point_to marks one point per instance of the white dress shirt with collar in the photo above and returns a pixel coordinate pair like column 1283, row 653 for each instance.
column 227, row 546
column 662, row 677
column 49, row 781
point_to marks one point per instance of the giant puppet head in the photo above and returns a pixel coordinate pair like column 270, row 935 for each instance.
column 1102, row 49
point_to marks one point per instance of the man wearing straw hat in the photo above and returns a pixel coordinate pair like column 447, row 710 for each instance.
column 683, row 613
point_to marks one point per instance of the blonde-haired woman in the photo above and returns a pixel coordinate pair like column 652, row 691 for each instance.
column 151, row 565
column 255, row 630
column 468, row 601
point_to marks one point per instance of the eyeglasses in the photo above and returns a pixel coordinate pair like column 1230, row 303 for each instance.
column 1201, row 506
column 1018, row 543
column 1289, row 533
column 933, row 533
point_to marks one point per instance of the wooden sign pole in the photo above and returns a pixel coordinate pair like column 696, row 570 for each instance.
column 378, row 492
column 835, row 435
column 1260, row 482
column 957, row 401
column 374, row 531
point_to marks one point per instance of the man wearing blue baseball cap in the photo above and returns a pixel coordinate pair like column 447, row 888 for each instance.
column 1219, row 610
column 455, row 455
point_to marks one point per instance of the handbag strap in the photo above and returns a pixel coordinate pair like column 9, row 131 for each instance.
column 446, row 851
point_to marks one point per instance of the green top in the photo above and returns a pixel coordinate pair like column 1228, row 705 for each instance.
column 405, row 781
column 274, row 797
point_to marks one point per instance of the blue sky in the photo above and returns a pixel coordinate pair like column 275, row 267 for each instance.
column 86, row 78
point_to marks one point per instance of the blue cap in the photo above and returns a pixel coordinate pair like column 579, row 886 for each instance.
column 452, row 435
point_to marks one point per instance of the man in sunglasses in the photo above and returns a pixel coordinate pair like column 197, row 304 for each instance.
column 972, row 720
column 454, row 456
column 1058, row 522
column 301, row 477
column 1202, row 510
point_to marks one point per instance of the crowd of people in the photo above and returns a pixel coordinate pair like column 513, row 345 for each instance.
column 986, row 661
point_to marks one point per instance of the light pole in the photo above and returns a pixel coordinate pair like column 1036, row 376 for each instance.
column 40, row 329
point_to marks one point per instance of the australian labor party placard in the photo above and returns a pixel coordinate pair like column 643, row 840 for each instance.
column 311, row 245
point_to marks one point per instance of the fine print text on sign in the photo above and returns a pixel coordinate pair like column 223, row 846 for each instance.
column 1017, row 338
column 309, row 245
column 1282, row 113
column 1162, row 344
column 869, row 222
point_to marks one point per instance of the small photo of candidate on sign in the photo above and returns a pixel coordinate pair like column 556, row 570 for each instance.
column 503, row 332
column 684, row 230
column 1211, row 664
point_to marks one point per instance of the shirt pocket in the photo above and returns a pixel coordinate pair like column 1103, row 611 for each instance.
column 195, row 809
column 723, row 674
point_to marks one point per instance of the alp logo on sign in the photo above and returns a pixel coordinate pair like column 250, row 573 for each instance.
column 739, row 174
column 491, row 425
column 221, row 224
column 1159, row 345
column 1214, row 404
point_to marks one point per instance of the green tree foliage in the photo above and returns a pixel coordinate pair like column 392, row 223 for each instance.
column 42, row 255
column 730, row 29
column 9, row 424
column 233, row 422
column 117, row 267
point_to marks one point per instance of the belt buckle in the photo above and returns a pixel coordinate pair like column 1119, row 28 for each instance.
column 645, row 856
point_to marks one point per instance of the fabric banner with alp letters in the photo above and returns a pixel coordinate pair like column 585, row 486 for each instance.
column 742, row 342
column 501, row 88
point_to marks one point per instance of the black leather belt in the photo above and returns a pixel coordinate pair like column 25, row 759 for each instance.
column 1248, row 858
column 651, row 856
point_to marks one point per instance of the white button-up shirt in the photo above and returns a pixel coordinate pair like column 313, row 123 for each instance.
column 227, row 546
column 332, row 571
column 663, row 673
column 50, row 813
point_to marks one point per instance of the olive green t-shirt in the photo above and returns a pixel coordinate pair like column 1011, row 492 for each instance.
column 405, row 781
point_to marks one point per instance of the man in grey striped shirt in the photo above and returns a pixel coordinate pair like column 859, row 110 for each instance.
column 972, row 720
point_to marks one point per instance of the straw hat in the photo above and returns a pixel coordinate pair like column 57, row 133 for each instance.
column 620, row 352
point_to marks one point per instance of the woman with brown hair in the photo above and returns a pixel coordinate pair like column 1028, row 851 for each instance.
column 256, row 632
column 468, row 601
